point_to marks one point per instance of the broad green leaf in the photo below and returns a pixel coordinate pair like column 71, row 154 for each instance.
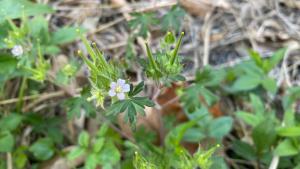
column 249, row 118
column 256, row 57
column 42, row 149
column 64, row 35
column 7, row 141
column 269, row 84
column 264, row 135
column 289, row 117
column 91, row 161
column 17, row 8
column 75, row 153
column 209, row 97
column 38, row 27
column 257, row 104
column 84, row 139
column 4, row 28
column 103, row 130
column 109, row 154
column 174, row 137
column 291, row 96
column 289, row 131
column 286, row 148
column 246, row 82
column 98, row 144
column 276, row 58
column 10, row 122
column 219, row 127
column 297, row 167
column 7, row 63
column 20, row 158
column 244, row 150
column 194, row 134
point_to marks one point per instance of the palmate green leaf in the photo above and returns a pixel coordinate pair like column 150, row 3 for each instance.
column 76, row 104
column 17, row 8
column 192, row 95
column 210, row 77
column 286, row 148
column 142, row 22
column 131, row 107
column 173, row 19
column 136, row 90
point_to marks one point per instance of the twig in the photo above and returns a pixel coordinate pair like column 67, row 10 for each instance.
column 207, row 29
column 9, row 161
column 46, row 97
column 274, row 163
column 106, row 26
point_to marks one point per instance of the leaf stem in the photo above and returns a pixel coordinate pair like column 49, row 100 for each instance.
column 176, row 48
column 21, row 94
column 152, row 61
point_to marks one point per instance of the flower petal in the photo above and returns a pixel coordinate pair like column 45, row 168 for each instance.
column 17, row 50
column 126, row 88
column 120, row 82
column 121, row 96
column 111, row 93
column 113, row 85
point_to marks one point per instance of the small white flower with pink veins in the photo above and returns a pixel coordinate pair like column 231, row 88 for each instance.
column 17, row 50
column 119, row 89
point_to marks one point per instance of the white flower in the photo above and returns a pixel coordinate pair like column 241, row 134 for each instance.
column 17, row 50
column 119, row 89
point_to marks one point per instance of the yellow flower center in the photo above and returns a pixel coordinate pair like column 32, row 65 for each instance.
column 118, row 89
